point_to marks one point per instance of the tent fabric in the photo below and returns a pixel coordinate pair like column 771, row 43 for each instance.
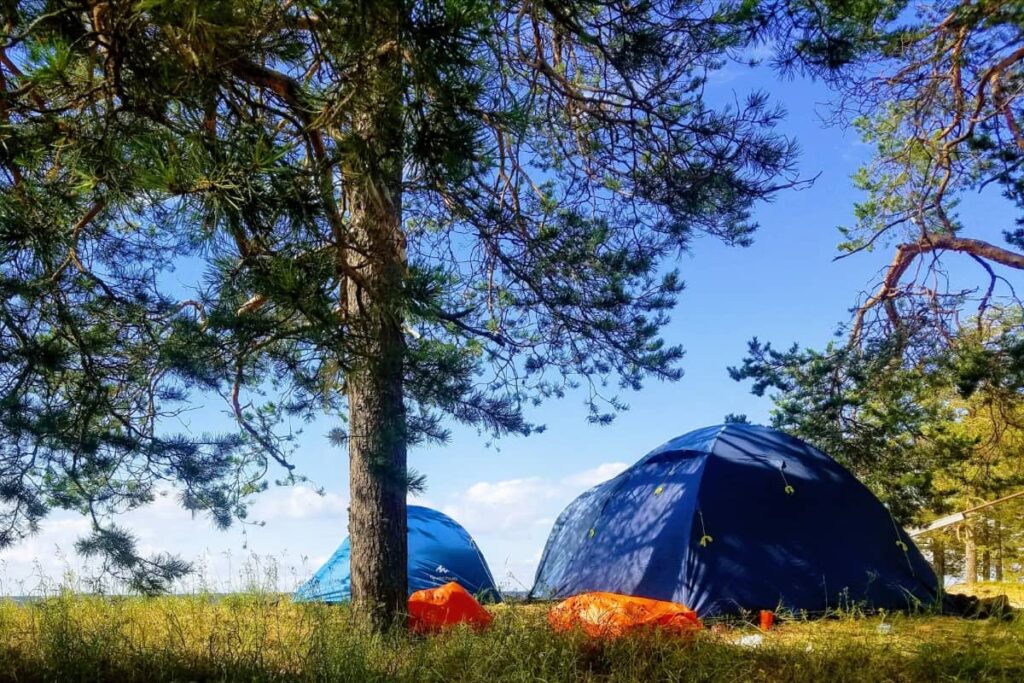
column 440, row 551
column 435, row 609
column 731, row 518
column 609, row 615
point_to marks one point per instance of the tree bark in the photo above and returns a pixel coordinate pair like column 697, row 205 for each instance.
column 970, row 556
column 375, row 247
column 939, row 559
column 986, row 553
column 998, row 528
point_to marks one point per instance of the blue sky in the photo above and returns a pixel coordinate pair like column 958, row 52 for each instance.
column 784, row 288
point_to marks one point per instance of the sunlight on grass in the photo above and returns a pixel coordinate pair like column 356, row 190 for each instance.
column 261, row 637
column 990, row 589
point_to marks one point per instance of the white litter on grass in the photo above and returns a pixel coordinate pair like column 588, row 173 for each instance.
column 753, row 640
column 885, row 629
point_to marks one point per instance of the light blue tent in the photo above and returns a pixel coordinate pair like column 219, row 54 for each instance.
column 440, row 550
column 735, row 517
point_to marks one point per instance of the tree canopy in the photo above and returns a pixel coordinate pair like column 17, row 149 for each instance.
column 405, row 213
column 935, row 89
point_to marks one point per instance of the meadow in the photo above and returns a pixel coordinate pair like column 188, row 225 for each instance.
column 266, row 637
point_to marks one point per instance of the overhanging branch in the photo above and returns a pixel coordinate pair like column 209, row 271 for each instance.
column 887, row 292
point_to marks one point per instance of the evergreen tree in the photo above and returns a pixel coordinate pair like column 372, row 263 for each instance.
column 931, row 437
column 408, row 212
column 935, row 89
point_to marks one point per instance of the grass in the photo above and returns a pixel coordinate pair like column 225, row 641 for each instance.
column 267, row 638
column 990, row 589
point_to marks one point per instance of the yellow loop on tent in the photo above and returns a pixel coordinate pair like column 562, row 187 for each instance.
column 786, row 485
column 592, row 533
column 706, row 537
column 658, row 491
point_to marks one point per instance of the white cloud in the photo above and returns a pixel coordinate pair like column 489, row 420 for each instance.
column 509, row 507
column 510, row 519
column 298, row 502
column 36, row 562
column 597, row 475
column 56, row 535
column 510, row 491
column 302, row 529
column 516, row 505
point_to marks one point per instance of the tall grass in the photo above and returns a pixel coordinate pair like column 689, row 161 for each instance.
column 261, row 637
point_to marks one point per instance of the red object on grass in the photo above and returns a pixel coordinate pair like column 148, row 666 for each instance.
column 434, row 609
column 612, row 615
column 767, row 619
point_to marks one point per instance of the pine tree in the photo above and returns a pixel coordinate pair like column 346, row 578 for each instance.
column 935, row 89
column 933, row 436
column 407, row 213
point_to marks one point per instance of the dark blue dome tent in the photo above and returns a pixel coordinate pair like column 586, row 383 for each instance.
column 730, row 518
column 440, row 550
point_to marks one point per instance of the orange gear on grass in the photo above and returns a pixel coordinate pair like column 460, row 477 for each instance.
column 434, row 609
column 610, row 615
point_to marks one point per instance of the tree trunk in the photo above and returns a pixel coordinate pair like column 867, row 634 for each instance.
column 375, row 249
column 998, row 528
column 986, row 551
column 939, row 559
column 970, row 556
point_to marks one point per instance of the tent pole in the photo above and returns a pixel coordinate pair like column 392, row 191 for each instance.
column 958, row 517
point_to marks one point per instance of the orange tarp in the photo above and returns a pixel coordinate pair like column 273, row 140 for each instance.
column 613, row 615
column 434, row 609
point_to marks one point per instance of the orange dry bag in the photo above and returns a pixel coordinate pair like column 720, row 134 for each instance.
column 613, row 615
column 433, row 609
